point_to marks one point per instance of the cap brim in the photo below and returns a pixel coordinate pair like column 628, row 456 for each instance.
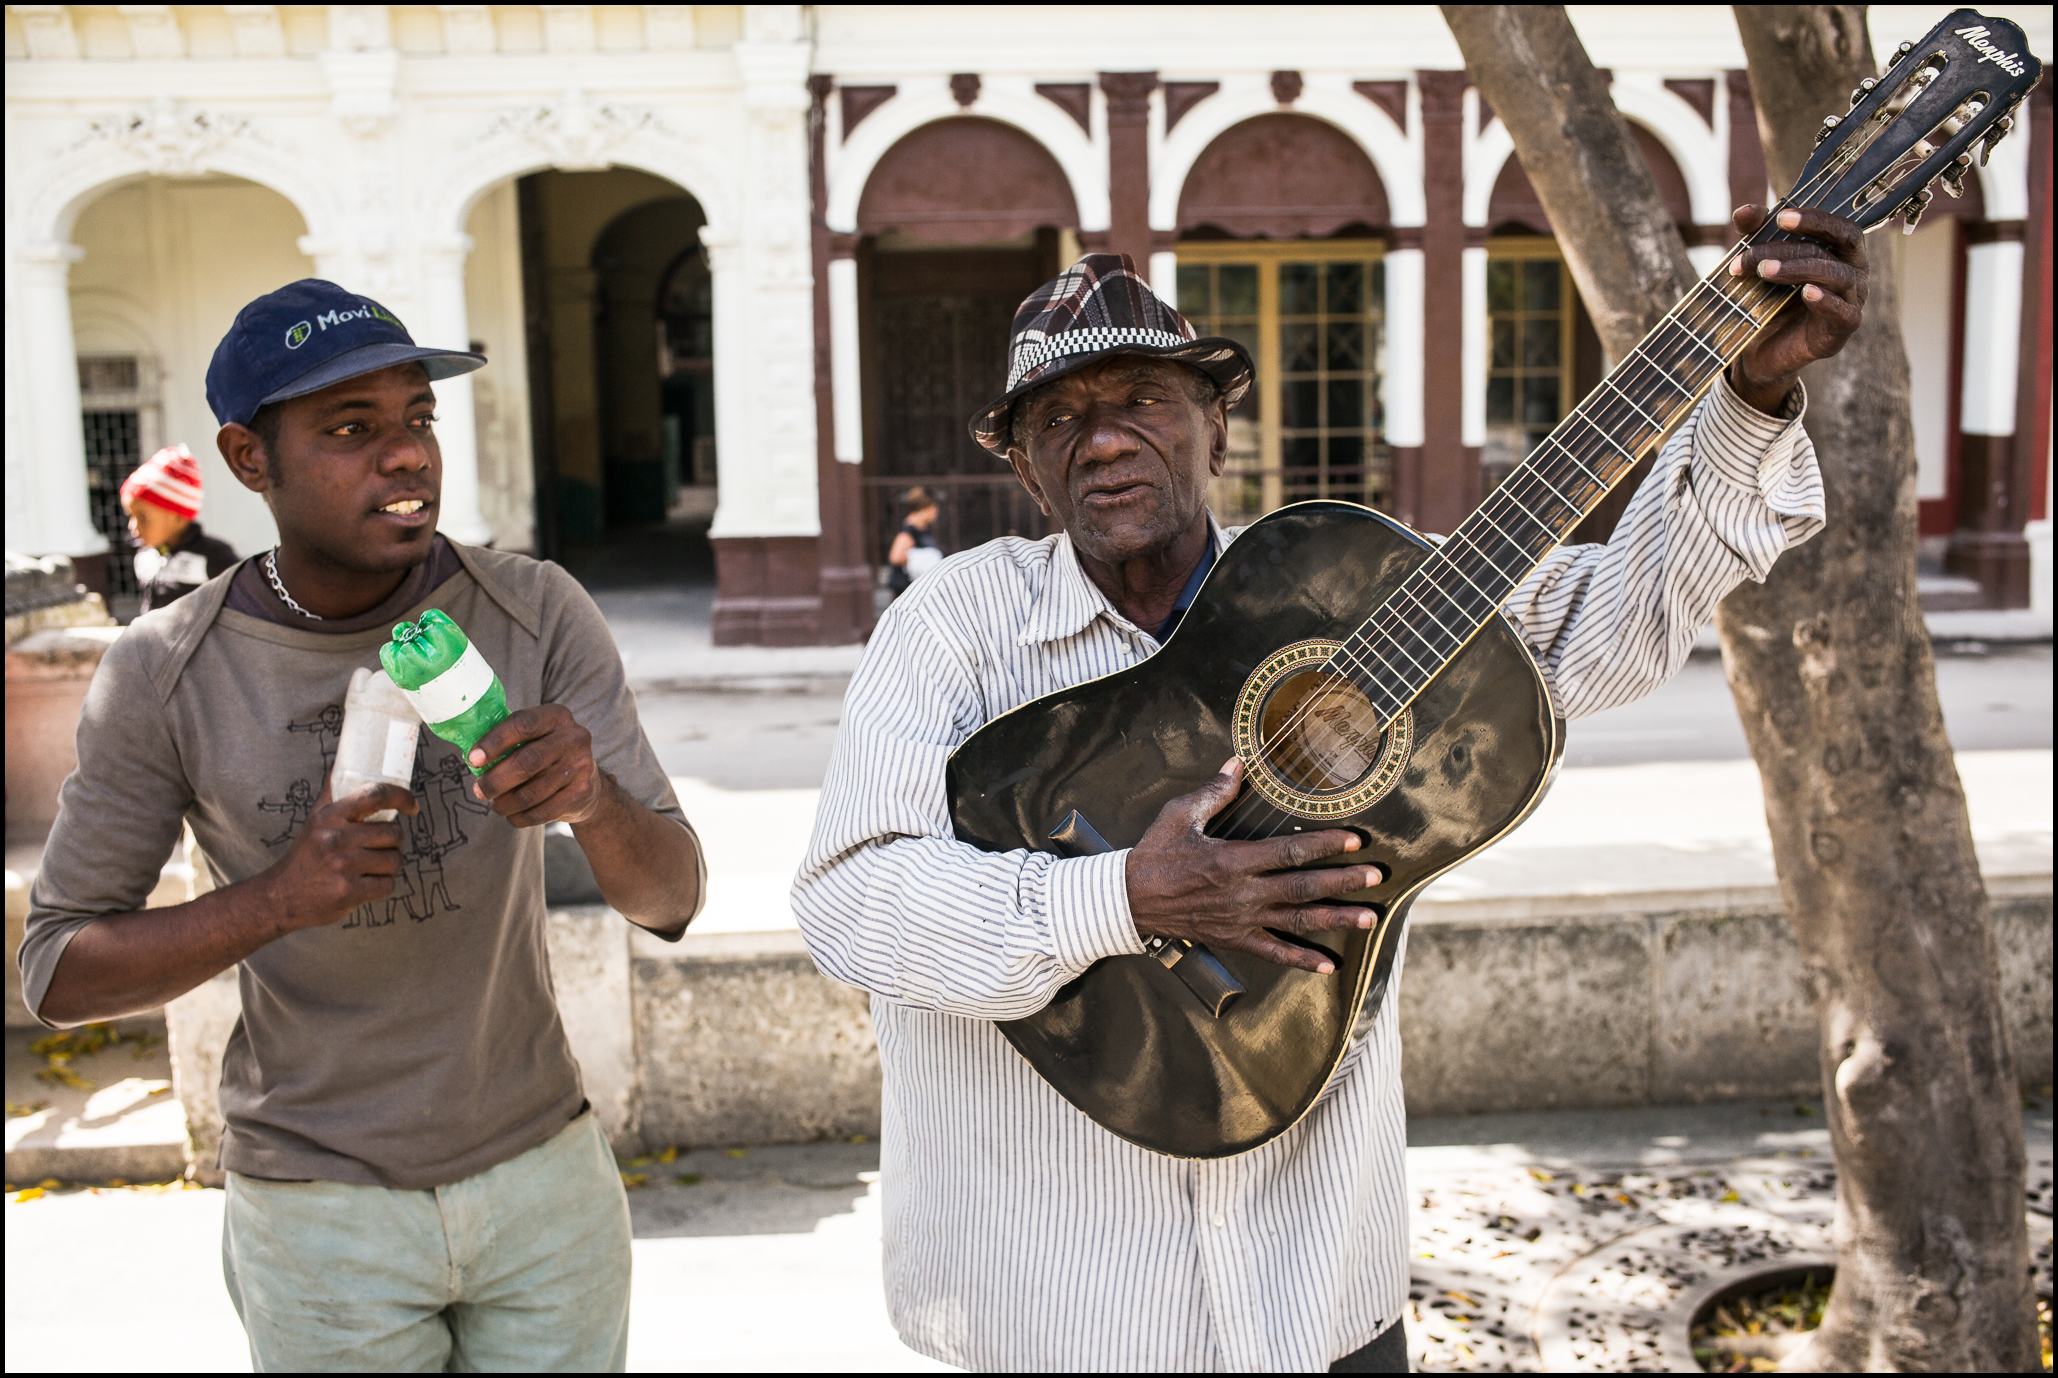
column 1221, row 358
column 439, row 364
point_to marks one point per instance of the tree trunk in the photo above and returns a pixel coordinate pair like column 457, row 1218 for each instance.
column 1830, row 665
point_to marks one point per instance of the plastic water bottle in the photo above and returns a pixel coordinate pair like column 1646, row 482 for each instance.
column 449, row 683
column 377, row 743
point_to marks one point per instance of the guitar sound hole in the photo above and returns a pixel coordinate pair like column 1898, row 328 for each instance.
column 1320, row 733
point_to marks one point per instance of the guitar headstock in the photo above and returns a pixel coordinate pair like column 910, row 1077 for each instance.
column 1916, row 124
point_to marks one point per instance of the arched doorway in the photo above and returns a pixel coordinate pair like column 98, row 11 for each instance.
column 1543, row 354
column 166, row 264
column 1281, row 235
column 590, row 290
column 959, row 221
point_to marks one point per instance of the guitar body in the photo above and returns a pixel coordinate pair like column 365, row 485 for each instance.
column 1126, row 1042
column 1178, row 1059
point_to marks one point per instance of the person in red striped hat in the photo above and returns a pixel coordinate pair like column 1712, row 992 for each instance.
column 173, row 555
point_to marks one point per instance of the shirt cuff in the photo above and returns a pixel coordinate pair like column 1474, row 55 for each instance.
column 1089, row 909
column 1741, row 445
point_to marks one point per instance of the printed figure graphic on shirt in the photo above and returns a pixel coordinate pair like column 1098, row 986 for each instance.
column 298, row 803
column 444, row 794
column 427, row 840
column 327, row 726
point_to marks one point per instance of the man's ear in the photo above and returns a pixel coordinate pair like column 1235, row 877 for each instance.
column 1018, row 459
column 244, row 453
column 1218, row 437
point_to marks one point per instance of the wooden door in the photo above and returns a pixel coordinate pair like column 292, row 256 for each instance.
column 936, row 326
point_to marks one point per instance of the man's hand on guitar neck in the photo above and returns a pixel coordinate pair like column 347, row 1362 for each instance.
column 1830, row 268
column 1185, row 884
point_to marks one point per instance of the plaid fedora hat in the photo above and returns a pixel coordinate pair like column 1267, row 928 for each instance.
column 1101, row 306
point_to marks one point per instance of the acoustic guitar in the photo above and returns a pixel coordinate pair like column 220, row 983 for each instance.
column 1368, row 681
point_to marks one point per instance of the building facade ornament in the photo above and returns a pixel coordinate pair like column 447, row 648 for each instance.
column 167, row 135
column 574, row 132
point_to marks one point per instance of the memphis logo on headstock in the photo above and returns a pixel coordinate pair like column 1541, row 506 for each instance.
column 1976, row 38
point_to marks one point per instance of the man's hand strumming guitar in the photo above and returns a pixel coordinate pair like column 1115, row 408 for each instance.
column 1185, row 884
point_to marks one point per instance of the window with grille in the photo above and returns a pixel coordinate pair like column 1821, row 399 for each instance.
column 118, row 412
column 1529, row 313
column 1311, row 316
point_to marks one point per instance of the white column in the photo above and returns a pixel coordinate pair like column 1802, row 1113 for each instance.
column 1472, row 428
column 55, row 518
column 445, row 325
column 1402, row 387
column 845, row 393
column 729, row 292
column 1993, row 305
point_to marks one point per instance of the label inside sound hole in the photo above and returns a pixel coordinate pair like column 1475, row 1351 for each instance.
column 1311, row 742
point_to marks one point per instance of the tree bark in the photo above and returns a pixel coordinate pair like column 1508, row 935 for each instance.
column 1830, row 665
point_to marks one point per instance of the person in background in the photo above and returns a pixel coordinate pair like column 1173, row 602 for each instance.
column 914, row 551
column 173, row 555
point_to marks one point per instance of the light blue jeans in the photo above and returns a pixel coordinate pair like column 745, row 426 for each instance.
column 522, row 1267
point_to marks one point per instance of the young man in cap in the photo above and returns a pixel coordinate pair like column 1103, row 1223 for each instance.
column 173, row 555
column 1019, row 1234
column 415, row 1182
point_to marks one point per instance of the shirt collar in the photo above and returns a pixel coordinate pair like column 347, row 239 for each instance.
column 1070, row 600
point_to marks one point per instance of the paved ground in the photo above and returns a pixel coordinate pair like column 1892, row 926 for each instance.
column 779, row 736
column 1542, row 1242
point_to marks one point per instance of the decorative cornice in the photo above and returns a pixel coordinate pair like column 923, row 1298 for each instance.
column 577, row 133
column 167, row 135
column 1128, row 94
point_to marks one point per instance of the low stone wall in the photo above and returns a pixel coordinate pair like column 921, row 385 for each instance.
column 730, row 1039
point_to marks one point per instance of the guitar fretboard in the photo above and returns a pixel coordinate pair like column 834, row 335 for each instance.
column 1436, row 610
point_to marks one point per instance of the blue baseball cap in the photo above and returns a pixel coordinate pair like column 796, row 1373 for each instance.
column 307, row 336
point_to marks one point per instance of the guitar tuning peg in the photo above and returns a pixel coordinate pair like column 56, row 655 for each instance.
column 1954, row 176
column 1864, row 90
column 1993, row 136
column 1829, row 124
column 1911, row 213
column 1903, row 51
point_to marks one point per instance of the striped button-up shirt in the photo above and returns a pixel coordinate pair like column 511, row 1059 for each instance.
column 1021, row 1235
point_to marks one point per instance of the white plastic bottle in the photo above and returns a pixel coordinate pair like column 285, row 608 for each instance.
column 377, row 743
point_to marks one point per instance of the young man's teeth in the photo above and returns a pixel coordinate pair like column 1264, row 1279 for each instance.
column 407, row 508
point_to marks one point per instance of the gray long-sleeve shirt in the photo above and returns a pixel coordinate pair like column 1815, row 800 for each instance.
column 417, row 1041
column 1020, row 1235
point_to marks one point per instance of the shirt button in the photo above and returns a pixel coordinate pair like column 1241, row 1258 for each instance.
column 1220, row 1222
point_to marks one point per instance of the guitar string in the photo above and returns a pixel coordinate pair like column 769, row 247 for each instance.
column 1294, row 752
column 1767, row 233
column 1287, row 740
column 1532, row 474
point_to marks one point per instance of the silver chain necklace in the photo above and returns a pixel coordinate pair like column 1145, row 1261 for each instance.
column 271, row 572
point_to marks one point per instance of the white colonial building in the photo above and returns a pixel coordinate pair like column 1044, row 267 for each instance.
column 743, row 271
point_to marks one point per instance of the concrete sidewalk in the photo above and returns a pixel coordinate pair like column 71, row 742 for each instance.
column 1555, row 1242
column 1624, row 946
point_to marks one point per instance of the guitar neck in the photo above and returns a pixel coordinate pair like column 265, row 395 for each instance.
column 1434, row 613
